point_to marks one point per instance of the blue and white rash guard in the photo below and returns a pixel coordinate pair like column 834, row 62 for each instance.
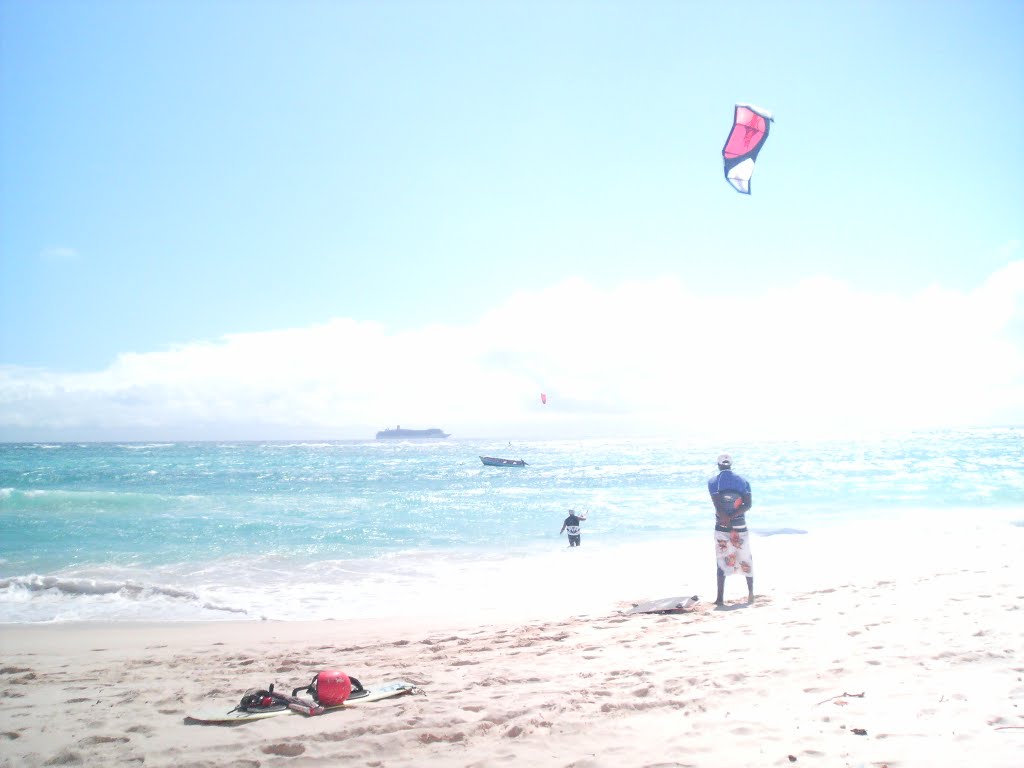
column 726, row 489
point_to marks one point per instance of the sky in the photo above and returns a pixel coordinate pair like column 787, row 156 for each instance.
column 313, row 220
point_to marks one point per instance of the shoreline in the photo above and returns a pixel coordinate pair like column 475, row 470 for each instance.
column 927, row 662
column 548, row 581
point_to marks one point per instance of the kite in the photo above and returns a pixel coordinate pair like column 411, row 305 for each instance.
column 749, row 132
column 543, row 399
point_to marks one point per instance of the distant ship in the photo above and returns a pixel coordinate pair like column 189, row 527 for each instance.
column 409, row 434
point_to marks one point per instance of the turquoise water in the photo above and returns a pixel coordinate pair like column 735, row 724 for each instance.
column 248, row 530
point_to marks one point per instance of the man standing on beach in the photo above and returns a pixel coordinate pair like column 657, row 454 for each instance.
column 572, row 525
column 731, row 496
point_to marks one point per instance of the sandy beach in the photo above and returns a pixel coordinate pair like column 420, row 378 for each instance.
column 922, row 669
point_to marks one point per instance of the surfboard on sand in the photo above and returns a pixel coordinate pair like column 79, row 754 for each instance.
column 666, row 605
column 376, row 692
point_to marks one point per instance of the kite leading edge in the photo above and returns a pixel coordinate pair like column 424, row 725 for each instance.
column 749, row 132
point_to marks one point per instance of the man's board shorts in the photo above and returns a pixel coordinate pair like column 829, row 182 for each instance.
column 732, row 549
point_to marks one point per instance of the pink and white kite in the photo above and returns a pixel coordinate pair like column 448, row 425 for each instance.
column 749, row 132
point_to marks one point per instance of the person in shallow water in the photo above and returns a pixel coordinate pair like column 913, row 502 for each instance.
column 730, row 494
column 572, row 525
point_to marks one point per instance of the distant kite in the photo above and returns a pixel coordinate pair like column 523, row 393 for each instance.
column 749, row 132
column 543, row 399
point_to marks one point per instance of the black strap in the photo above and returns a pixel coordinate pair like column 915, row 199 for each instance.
column 310, row 689
column 252, row 700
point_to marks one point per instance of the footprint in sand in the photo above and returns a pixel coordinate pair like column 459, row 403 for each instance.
column 93, row 740
column 284, row 750
column 65, row 757
column 433, row 738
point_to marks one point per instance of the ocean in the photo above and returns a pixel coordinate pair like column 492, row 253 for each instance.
column 341, row 530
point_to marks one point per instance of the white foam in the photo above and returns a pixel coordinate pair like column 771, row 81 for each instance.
column 36, row 597
column 548, row 579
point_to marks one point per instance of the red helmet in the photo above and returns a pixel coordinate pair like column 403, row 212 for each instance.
column 331, row 687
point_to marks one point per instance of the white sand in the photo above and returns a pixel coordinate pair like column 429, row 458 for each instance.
column 928, row 663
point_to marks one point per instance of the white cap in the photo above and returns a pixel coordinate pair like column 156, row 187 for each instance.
column 725, row 460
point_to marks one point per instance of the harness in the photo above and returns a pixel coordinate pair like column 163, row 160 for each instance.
column 269, row 700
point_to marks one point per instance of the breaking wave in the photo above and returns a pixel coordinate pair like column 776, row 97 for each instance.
column 23, row 590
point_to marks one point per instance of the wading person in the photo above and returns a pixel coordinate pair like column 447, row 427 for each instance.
column 572, row 525
column 731, row 496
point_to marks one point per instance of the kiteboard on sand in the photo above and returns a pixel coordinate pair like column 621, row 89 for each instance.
column 666, row 605
column 376, row 692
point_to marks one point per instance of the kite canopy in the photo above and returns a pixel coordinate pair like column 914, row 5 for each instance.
column 749, row 132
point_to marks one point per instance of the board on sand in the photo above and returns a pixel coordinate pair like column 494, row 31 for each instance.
column 376, row 692
column 665, row 605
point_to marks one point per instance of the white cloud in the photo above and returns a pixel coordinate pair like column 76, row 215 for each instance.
column 59, row 254
column 642, row 358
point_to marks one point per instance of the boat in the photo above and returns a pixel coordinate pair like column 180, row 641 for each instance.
column 410, row 434
column 491, row 461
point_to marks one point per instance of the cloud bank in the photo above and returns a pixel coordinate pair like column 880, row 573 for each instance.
column 642, row 358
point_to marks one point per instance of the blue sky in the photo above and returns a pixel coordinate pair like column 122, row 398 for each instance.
column 299, row 219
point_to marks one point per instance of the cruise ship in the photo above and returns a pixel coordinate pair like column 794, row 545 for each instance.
column 410, row 434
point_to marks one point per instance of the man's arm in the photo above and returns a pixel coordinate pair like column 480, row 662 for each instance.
column 746, row 501
column 722, row 516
